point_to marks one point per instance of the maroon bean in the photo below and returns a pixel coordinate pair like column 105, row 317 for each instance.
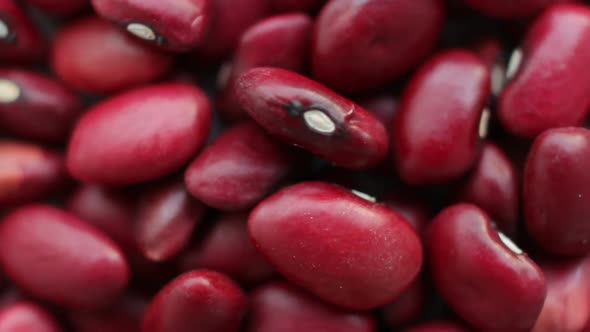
column 361, row 45
column 140, row 135
column 124, row 316
column 59, row 258
column 27, row 317
column 297, row 5
column 344, row 249
column 550, row 88
column 414, row 212
column 437, row 128
column 437, row 327
column 36, row 106
column 60, row 7
column 203, row 301
column 557, row 191
column 384, row 107
column 280, row 306
column 20, row 40
column 125, row 63
column 509, row 8
column 479, row 271
column 239, row 168
column 305, row 113
column 408, row 307
column 177, row 25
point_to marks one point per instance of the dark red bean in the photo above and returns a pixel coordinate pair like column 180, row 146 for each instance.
column 227, row 248
column 557, row 191
column 480, row 271
column 125, row 63
column 384, row 107
column 124, row 316
column 437, row 128
column 280, row 306
column 239, row 168
column 36, row 106
column 27, row 317
column 60, row 7
column 509, row 8
column 342, row 248
column 177, row 25
column 203, row 301
column 437, row 327
column 414, row 212
column 549, row 88
column 305, row 113
column 491, row 51
column 408, row 307
column 362, row 45
column 59, row 258
column 297, row 5
column 129, row 138
column 20, row 40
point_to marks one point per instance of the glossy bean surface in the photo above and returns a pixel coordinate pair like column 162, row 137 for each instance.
column 21, row 41
column 25, row 316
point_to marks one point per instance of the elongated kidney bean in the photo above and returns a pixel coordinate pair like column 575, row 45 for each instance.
column 488, row 271
column 203, row 301
column 549, row 88
column 342, row 248
column 60, row 7
column 124, row 316
column 297, row 5
column 27, row 317
column 438, row 327
column 20, row 40
column 510, row 9
column 125, row 63
column 239, row 168
column 305, row 113
column 139, row 135
column 36, row 106
column 408, row 307
column 177, row 25
column 279, row 306
column 436, row 130
column 59, row 258
column 557, row 191
column 361, row 45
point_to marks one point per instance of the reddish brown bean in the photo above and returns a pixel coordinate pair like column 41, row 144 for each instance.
column 437, row 327
column 20, row 39
column 509, row 8
column 139, row 135
column 124, row 316
column 27, row 317
column 60, row 7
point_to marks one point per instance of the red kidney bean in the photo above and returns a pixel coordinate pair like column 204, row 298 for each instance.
column 167, row 218
column 479, row 270
column 125, row 316
column 129, row 139
column 491, row 51
column 305, row 113
column 297, row 5
column 437, row 128
column 227, row 248
column 36, row 106
column 177, row 25
column 311, row 232
column 549, row 87
column 28, row 172
column 59, row 258
column 27, row 317
column 20, row 40
column 437, row 327
column 280, row 41
column 509, row 8
column 60, row 7
column 280, row 306
column 557, row 191
column 362, row 45
column 239, row 168
column 408, row 307
column 203, row 301
column 125, row 63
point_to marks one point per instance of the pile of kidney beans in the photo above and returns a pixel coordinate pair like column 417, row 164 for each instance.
column 294, row 165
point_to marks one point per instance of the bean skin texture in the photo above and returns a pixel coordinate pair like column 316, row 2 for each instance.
column 363, row 45
column 23, row 42
column 60, row 7
column 25, row 316
column 344, row 249
column 139, row 135
column 59, row 258
column 305, row 113
column 510, row 9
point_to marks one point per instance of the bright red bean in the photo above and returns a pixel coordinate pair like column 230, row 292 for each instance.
column 408, row 307
column 480, row 271
column 203, row 301
column 27, row 317
column 510, row 8
column 20, row 40
column 280, row 306
column 140, row 135
column 125, row 63
column 36, row 106
column 59, row 258
column 362, row 45
column 305, row 113
column 124, row 316
column 549, row 88
column 557, row 191
column 437, row 327
column 342, row 248
column 437, row 128
column 60, row 7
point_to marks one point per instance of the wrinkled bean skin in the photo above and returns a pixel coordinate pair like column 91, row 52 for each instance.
column 311, row 233
column 550, row 88
column 59, row 258
column 278, row 100
column 27, row 317
column 60, row 7
column 509, row 8
column 557, row 191
column 362, row 45
column 129, row 139
column 23, row 43
column 436, row 130
column 437, row 327
column 281, row 307
column 486, row 274
column 44, row 110
column 203, row 301
column 297, row 5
